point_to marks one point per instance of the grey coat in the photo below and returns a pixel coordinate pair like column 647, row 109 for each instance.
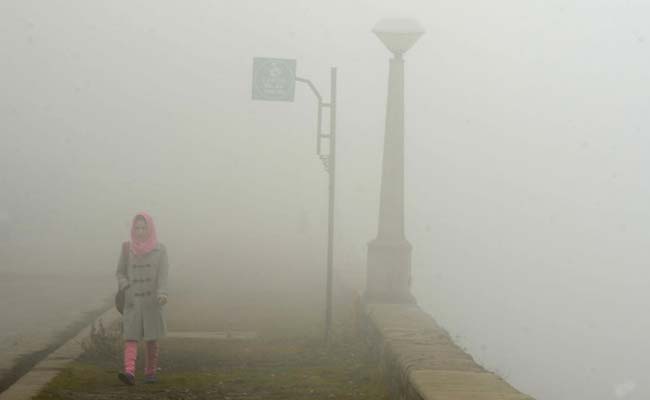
column 146, row 278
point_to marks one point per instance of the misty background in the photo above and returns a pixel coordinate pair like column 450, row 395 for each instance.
column 527, row 156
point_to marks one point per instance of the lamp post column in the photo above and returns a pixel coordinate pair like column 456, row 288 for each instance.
column 388, row 277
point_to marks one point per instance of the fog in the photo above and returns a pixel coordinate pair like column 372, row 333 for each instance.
column 527, row 154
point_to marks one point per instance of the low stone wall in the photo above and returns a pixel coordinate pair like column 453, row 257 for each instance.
column 30, row 384
column 420, row 360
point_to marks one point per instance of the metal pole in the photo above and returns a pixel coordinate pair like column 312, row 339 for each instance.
column 330, row 163
column 332, row 193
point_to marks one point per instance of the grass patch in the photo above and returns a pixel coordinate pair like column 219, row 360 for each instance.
column 204, row 369
column 288, row 361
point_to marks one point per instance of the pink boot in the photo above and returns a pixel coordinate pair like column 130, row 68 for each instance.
column 151, row 361
column 130, row 355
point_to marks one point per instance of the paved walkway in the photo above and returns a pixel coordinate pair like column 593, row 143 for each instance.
column 247, row 339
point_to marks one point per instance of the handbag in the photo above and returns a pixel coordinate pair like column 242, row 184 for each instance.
column 120, row 296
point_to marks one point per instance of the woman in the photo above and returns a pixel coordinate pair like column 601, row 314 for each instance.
column 142, row 271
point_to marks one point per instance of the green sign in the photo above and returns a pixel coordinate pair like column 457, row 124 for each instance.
column 274, row 79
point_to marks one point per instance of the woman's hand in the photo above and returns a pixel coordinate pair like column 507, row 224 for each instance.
column 162, row 299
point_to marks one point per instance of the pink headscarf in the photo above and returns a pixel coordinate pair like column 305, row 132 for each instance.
column 143, row 247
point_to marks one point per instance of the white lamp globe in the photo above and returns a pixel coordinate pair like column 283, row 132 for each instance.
column 398, row 34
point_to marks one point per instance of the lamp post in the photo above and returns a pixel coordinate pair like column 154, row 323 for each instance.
column 329, row 161
column 388, row 277
column 274, row 80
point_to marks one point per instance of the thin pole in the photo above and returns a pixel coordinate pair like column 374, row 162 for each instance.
column 332, row 193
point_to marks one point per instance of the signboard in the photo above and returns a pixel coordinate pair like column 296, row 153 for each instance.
column 274, row 79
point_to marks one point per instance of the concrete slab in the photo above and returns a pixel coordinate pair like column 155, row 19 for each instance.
column 476, row 396
column 213, row 335
column 441, row 381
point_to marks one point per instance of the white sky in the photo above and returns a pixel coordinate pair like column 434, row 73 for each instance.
column 527, row 157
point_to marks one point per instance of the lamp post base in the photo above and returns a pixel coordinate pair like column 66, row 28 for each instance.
column 389, row 272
